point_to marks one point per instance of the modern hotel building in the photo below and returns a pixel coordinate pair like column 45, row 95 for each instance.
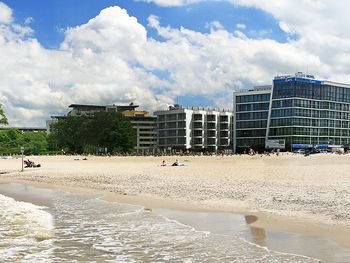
column 251, row 109
column 195, row 129
column 298, row 109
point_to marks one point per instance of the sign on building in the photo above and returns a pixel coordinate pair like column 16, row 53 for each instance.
column 275, row 144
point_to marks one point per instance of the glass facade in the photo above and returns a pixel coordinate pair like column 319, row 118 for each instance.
column 308, row 111
column 251, row 114
column 303, row 111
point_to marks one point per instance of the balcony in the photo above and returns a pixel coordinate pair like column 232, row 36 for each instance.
column 211, row 118
column 223, row 119
column 223, row 142
column 211, row 126
column 197, row 118
column 181, row 116
column 170, row 125
column 171, row 117
column 198, row 142
column 211, row 134
column 211, row 141
column 223, row 126
column 224, row 134
column 197, row 125
column 197, row 133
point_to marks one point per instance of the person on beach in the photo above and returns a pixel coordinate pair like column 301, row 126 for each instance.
column 163, row 163
column 176, row 163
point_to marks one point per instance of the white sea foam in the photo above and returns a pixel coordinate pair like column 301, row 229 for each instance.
column 90, row 229
column 26, row 230
column 124, row 233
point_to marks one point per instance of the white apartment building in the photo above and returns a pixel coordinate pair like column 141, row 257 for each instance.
column 195, row 129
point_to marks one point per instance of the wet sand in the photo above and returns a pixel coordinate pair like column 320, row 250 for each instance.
column 222, row 223
column 307, row 195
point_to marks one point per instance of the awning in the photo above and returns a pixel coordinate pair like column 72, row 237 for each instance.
column 302, row 146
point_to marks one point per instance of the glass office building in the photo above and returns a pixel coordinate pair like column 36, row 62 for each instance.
column 309, row 111
column 251, row 109
column 302, row 111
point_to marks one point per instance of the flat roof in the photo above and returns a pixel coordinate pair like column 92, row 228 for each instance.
column 121, row 107
column 310, row 79
column 103, row 106
column 24, row 128
column 256, row 90
column 86, row 105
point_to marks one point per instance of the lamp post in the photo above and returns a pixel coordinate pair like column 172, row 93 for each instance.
column 22, row 151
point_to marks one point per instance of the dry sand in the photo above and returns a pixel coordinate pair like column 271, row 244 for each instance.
column 313, row 189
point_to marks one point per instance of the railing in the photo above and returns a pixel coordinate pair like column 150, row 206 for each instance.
column 196, row 108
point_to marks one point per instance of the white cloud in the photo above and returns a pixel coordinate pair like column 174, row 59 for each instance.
column 320, row 27
column 171, row 3
column 28, row 20
column 214, row 25
column 5, row 14
column 110, row 59
column 241, row 26
column 259, row 34
column 96, row 63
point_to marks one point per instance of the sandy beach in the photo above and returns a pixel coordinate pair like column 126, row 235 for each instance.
column 292, row 192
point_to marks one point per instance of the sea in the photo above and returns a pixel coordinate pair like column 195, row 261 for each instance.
column 66, row 227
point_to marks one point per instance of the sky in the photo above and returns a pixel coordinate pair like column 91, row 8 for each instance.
column 155, row 53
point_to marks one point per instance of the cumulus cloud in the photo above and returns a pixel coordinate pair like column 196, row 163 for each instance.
column 214, row 25
column 5, row 14
column 110, row 59
column 171, row 3
column 318, row 28
column 96, row 63
column 241, row 26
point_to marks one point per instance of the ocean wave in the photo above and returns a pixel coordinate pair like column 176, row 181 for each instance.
column 26, row 230
column 90, row 229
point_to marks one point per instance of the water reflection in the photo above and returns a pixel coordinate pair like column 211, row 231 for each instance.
column 258, row 235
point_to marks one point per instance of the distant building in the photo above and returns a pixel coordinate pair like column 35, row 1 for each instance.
column 25, row 129
column 251, row 110
column 298, row 109
column 195, row 129
column 90, row 110
column 141, row 121
column 145, row 126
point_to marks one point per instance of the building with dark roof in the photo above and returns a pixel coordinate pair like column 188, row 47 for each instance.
column 141, row 121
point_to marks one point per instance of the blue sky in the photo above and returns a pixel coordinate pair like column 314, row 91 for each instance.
column 95, row 52
column 51, row 18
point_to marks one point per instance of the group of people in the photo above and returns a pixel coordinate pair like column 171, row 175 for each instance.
column 176, row 163
column 30, row 163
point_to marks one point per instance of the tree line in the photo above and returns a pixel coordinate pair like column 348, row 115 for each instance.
column 105, row 132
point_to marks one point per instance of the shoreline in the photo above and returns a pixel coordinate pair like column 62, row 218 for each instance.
column 235, row 226
column 339, row 234
column 289, row 193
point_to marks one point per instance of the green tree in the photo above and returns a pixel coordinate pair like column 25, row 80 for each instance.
column 11, row 141
column 34, row 142
column 3, row 119
column 69, row 133
column 117, row 135
column 89, row 134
